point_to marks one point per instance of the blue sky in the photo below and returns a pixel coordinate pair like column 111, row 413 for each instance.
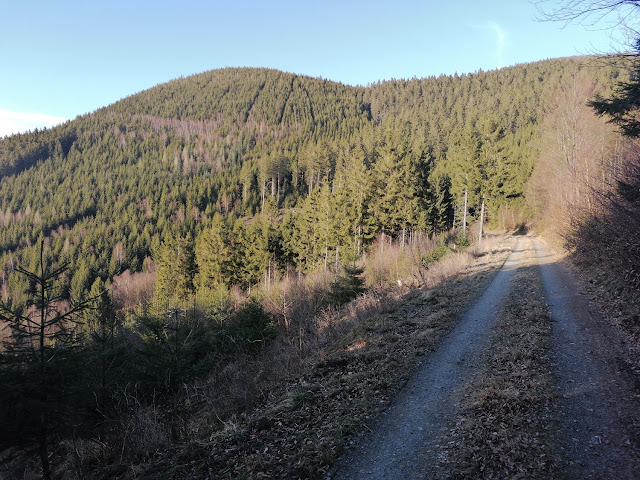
column 69, row 57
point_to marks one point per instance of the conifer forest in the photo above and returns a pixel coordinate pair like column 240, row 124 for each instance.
column 172, row 261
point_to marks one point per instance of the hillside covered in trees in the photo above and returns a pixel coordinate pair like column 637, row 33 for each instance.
column 163, row 221
column 304, row 166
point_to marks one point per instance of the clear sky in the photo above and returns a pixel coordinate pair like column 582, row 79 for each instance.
column 60, row 59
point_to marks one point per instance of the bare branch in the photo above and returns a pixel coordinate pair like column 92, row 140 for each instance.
column 585, row 12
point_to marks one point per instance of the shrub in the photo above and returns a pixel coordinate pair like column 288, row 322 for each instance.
column 435, row 254
column 250, row 327
column 462, row 240
column 347, row 286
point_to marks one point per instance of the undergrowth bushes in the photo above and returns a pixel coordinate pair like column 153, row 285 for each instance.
column 610, row 237
column 184, row 373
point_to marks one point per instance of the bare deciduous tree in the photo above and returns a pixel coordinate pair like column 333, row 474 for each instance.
column 620, row 17
column 576, row 148
column 590, row 12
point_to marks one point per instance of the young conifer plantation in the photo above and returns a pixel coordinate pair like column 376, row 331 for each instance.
column 168, row 262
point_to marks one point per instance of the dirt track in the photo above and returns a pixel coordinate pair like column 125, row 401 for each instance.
column 597, row 408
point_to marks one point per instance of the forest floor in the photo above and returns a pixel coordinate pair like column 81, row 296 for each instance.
column 530, row 383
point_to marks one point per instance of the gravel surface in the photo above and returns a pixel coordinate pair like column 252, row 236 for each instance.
column 598, row 408
column 401, row 444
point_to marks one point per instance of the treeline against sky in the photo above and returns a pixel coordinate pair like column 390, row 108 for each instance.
column 308, row 168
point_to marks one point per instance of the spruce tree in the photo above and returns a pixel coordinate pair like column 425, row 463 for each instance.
column 214, row 258
column 175, row 272
column 40, row 367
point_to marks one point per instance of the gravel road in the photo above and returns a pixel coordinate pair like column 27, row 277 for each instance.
column 401, row 445
column 598, row 409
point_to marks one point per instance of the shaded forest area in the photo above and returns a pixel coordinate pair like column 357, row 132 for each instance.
column 168, row 261
column 585, row 187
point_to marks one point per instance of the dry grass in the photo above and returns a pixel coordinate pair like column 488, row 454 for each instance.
column 327, row 380
column 504, row 428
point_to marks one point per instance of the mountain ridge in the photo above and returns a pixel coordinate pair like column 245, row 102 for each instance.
column 226, row 140
column 258, row 258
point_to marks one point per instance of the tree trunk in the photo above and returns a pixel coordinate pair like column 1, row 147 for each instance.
column 278, row 191
column 481, row 220
column 326, row 256
column 464, row 213
column 44, row 414
column 44, row 455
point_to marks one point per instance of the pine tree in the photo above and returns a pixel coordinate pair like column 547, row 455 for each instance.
column 39, row 357
column 463, row 167
column 306, row 236
column 107, row 356
column 351, row 195
column 176, row 268
column 622, row 107
column 214, row 258
column 250, row 255
column 394, row 202
column 442, row 207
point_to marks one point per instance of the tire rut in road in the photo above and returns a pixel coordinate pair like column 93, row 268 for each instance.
column 598, row 409
column 503, row 428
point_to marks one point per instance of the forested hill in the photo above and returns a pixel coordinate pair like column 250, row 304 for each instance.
column 268, row 168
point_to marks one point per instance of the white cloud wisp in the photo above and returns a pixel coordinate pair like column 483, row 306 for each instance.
column 20, row 122
column 501, row 42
